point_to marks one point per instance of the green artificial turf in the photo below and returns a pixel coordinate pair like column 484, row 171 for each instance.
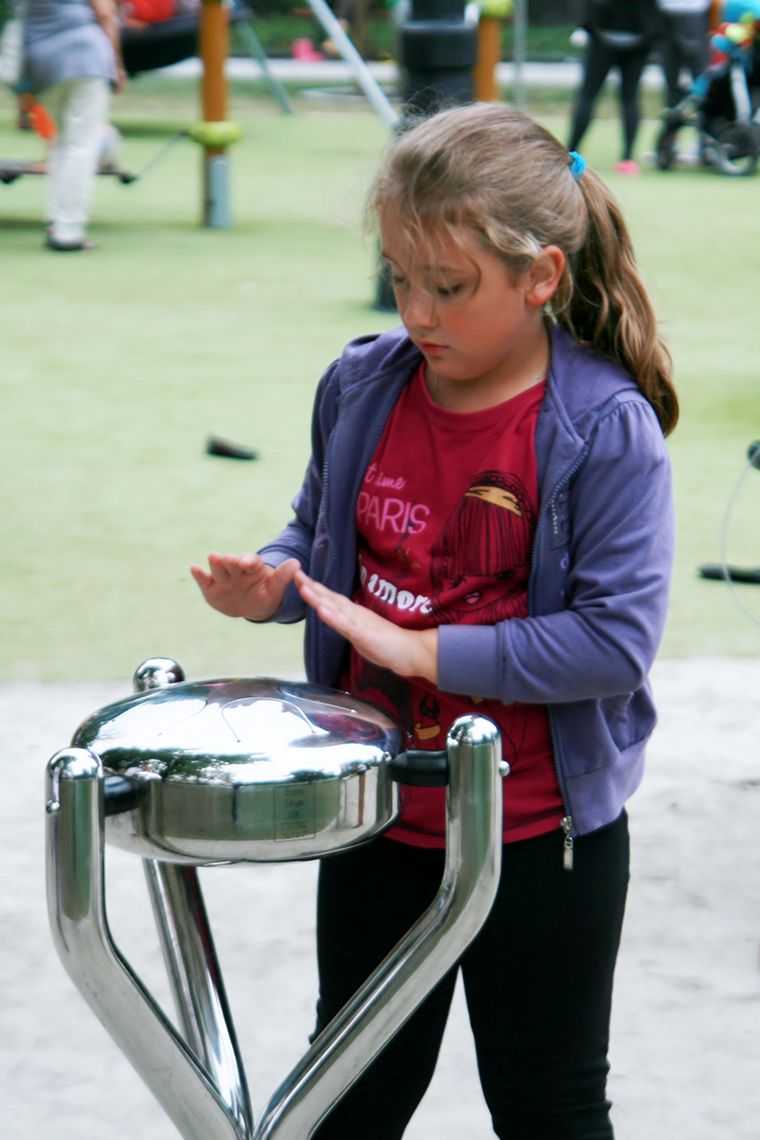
column 117, row 365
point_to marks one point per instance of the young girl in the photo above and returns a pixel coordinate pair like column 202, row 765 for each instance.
column 486, row 522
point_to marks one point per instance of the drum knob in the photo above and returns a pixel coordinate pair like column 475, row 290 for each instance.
column 157, row 673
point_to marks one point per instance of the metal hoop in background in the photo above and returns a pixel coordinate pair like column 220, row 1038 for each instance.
column 723, row 571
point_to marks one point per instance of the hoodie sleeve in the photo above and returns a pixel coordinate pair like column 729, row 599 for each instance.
column 603, row 640
column 296, row 540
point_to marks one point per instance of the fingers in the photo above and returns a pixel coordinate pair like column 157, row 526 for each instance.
column 336, row 610
column 286, row 571
column 374, row 637
column 243, row 572
column 224, row 566
column 317, row 595
column 201, row 576
column 223, row 570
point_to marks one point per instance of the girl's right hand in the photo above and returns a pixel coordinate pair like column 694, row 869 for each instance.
column 243, row 585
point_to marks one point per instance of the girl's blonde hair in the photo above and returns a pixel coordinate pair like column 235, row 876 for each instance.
column 489, row 169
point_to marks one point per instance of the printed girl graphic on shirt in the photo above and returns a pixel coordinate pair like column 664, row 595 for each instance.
column 479, row 566
column 481, row 559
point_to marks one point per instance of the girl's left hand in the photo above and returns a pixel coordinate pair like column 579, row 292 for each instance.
column 407, row 652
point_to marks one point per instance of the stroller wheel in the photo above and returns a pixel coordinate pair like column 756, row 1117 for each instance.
column 665, row 149
column 736, row 150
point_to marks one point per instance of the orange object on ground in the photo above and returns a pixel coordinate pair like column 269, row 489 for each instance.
column 38, row 117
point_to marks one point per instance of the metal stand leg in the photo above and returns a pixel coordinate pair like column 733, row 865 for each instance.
column 361, row 72
column 253, row 44
column 76, row 905
column 216, row 191
column 189, row 954
column 197, row 984
column 419, row 961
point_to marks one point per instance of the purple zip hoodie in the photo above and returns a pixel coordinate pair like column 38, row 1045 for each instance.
column 601, row 562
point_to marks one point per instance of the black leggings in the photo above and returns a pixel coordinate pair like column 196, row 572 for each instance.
column 538, row 983
column 600, row 59
column 684, row 45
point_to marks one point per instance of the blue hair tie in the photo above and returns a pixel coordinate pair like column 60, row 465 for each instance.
column 577, row 165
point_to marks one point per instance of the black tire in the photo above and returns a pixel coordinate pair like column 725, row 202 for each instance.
column 665, row 149
column 736, row 150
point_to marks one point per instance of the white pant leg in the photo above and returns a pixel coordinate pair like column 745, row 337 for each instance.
column 81, row 111
column 55, row 99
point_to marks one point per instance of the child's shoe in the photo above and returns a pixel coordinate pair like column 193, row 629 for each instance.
column 627, row 166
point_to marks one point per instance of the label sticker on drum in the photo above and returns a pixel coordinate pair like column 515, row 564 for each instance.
column 294, row 811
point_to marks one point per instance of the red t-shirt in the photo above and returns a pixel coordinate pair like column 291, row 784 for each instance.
column 445, row 518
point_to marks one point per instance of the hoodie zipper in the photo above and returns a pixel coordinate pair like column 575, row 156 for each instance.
column 568, row 845
column 567, row 824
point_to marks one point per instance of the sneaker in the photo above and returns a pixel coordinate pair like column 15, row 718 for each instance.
column 68, row 246
column 304, row 51
column 627, row 166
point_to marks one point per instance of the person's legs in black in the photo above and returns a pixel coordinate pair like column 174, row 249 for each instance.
column 670, row 57
column 367, row 900
column 632, row 64
column 538, row 980
column 596, row 66
column 685, row 47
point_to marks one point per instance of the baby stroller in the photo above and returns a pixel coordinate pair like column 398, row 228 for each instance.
column 723, row 103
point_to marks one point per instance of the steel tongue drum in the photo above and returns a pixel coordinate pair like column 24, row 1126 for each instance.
column 228, row 770
column 187, row 774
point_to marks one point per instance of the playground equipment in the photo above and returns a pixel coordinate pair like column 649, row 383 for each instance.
column 228, row 771
column 723, row 103
column 723, row 571
column 437, row 55
column 215, row 133
column 208, row 36
column 171, row 41
column 493, row 13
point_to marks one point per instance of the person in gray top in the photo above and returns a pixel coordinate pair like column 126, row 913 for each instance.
column 72, row 56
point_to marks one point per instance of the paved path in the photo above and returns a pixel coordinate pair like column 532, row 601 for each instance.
column 565, row 75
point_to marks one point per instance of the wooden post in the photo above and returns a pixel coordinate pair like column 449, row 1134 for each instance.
column 214, row 49
column 214, row 43
column 489, row 57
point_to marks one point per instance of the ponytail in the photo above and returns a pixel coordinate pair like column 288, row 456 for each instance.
column 609, row 307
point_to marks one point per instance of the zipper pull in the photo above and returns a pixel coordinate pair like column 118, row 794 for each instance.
column 567, row 852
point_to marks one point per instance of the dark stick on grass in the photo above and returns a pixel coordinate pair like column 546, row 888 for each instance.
column 717, row 572
column 224, row 449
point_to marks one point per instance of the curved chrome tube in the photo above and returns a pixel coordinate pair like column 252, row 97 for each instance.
column 196, row 982
column 419, row 961
column 76, row 906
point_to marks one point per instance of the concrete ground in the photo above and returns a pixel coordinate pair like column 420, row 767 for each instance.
column 686, row 1028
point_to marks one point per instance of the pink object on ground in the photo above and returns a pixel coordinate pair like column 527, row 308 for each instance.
column 304, row 50
column 627, row 166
